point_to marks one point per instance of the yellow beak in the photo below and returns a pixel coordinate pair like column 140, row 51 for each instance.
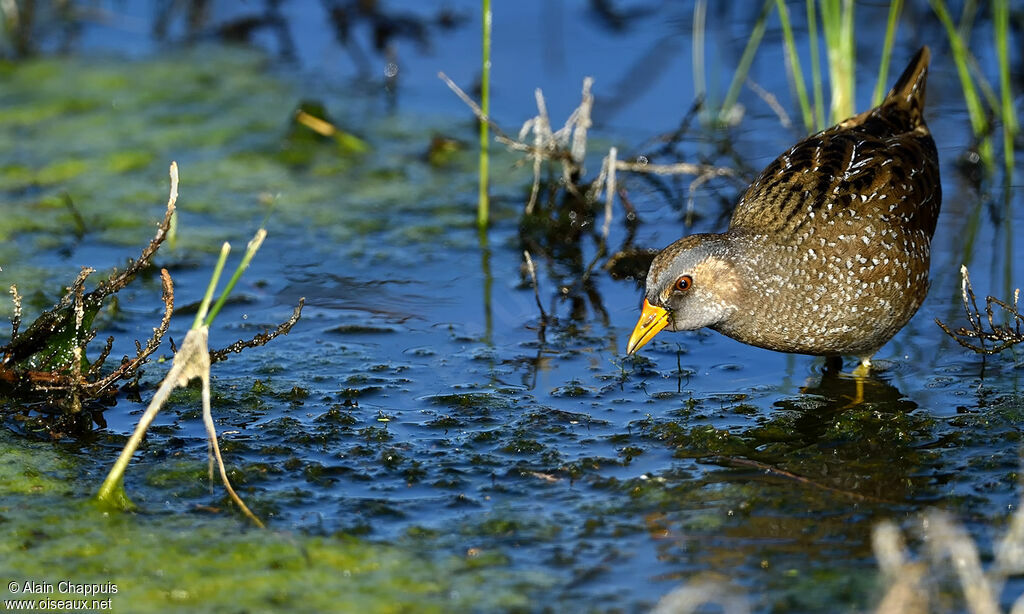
column 652, row 320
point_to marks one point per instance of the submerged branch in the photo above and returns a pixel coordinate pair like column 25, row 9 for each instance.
column 129, row 367
column 262, row 338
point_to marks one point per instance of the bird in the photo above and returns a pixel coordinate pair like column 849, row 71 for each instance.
column 828, row 250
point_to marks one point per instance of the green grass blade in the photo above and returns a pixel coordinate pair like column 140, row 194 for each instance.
column 974, row 108
column 250, row 251
column 1001, row 21
column 746, row 59
column 837, row 23
column 848, row 59
column 483, row 206
column 794, row 62
column 812, row 33
column 204, row 306
column 890, row 33
column 700, row 81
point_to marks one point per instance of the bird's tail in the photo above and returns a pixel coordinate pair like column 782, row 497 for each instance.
column 908, row 93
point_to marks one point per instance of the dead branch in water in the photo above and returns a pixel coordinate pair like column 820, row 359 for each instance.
column 260, row 339
column 567, row 147
column 48, row 355
column 999, row 336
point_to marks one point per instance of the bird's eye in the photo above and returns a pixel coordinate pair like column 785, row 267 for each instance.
column 683, row 283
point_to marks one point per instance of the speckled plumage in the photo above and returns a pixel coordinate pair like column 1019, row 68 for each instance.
column 828, row 249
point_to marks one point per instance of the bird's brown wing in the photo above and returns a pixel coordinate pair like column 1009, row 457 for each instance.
column 880, row 163
column 845, row 174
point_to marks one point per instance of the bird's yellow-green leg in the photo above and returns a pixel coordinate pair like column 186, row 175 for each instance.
column 864, row 368
column 859, row 374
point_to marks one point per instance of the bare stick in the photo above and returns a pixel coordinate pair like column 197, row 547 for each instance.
column 536, row 290
column 613, row 153
column 772, row 102
column 262, row 338
column 679, row 168
column 76, row 351
column 1000, row 337
column 211, row 429
column 583, row 123
column 746, row 462
column 117, row 281
column 128, row 367
column 472, row 105
column 16, row 318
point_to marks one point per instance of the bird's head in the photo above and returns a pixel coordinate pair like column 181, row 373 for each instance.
column 691, row 284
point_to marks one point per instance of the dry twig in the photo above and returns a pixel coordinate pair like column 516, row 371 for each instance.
column 536, row 288
column 128, row 367
column 1000, row 336
column 568, row 147
column 70, row 314
column 692, row 596
column 949, row 546
column 262, row 338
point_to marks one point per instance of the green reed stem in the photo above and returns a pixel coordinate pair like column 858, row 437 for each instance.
column 794, row 62
column 740, row 77
column 812, row 33
column 837, row 22
column 890, row 33
column 967, row 15
column 483, row 206
column 974, row 108
column 850, row 53
column 1001, row 21
column 204, row 306
column 250, row 251
column 700, row 82
column 964, row 28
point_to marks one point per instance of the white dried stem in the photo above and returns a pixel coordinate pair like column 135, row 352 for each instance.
column 678, row 168
column 541, row 126
column 472, row 105
column 201, row 364
column 536, row 288
column 542, row 123
column 772, row 102
column 1009, row 551
column 949, row 540
column 583, row 123
column 16, row 317
column 613, row 153
column 906, row 594
column 690, row 597
column 887, row 543
column 595, row 191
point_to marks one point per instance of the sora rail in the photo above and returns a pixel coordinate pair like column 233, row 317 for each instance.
column 828, row 250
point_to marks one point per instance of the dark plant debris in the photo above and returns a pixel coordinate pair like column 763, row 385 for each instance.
column 261, row 338
column 49, row 360
column 49, row 357
column 999, row 336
